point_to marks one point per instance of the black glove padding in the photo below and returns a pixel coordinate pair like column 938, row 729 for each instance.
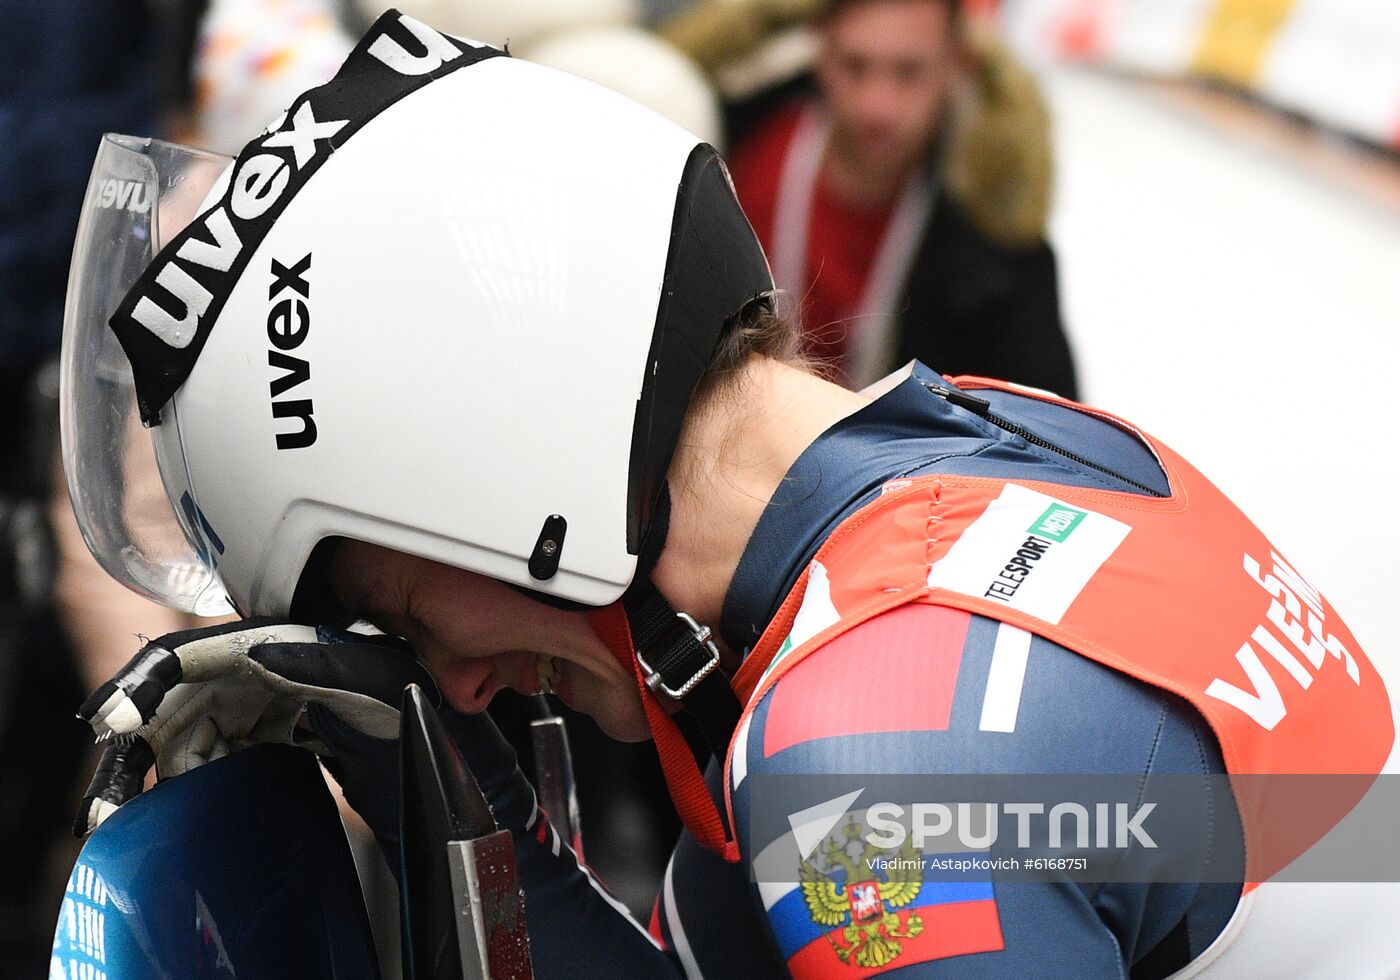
column 196, row 695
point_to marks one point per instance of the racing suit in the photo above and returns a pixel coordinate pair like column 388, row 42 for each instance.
column 930, row 689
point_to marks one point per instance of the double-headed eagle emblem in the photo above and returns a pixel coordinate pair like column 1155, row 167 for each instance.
column 865, row 901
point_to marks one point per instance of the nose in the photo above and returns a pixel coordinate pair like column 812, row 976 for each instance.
column 881, row 100
column 469, row 684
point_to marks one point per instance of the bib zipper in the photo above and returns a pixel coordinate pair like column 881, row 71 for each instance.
column 983, row 409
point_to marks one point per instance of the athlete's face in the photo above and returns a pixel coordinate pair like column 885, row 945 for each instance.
column 885, row 69
column 478, row 636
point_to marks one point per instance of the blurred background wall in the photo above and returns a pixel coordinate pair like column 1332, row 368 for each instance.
column 1333, row 61
column 1228, row 223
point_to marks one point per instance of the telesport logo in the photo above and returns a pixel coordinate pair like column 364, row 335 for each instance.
column 1029, row 551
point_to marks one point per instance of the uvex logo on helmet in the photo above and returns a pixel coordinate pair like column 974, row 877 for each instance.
column 258, row 181
column 288, row 322
column 165, row 319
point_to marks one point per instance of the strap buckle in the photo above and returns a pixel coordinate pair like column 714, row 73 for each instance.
column 679, row 674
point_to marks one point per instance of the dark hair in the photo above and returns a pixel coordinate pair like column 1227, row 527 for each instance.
column 763, row 328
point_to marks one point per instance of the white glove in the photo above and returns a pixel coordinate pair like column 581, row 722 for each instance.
column 194, row 696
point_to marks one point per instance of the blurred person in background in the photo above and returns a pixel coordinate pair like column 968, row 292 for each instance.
column 905, row 204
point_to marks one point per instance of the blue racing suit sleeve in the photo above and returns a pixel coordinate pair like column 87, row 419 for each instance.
column 852, row 712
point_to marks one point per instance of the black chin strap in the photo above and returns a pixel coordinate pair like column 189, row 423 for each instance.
column 681, row 662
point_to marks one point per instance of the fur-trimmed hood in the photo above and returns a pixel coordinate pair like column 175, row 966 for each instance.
column 999, row 159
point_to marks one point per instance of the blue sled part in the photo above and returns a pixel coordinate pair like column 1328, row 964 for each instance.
column 239, row 869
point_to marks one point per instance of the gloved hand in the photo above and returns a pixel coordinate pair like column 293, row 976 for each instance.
column 196, row 695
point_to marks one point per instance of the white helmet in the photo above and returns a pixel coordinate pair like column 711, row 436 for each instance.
column 450, row 303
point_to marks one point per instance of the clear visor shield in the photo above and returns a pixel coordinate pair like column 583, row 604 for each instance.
column 131, row 500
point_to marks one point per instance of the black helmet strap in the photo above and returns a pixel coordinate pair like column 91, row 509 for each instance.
column 680, row 661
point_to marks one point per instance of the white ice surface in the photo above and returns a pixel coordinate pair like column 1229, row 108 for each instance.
column 1247, row 312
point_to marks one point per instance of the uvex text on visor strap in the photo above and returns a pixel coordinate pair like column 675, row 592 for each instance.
column 165, row 319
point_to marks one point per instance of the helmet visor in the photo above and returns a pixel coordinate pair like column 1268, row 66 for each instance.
column 141, row 194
